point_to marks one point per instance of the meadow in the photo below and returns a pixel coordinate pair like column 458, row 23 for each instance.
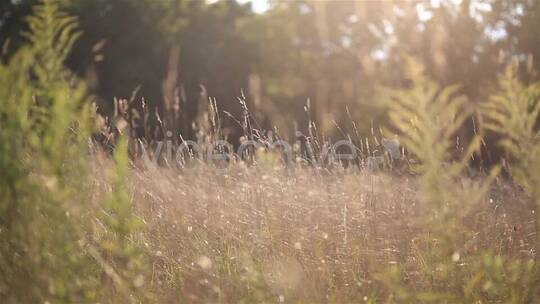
column 86, row 222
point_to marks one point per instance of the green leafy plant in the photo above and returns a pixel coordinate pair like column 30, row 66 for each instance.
column 448, row 271
column 513, row 112
column 45, row 186
column 427, row 117
column 117, row 250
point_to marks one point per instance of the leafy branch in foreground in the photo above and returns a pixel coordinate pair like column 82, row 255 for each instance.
column 427, row 117
column 513, row 112
column 43, row 134
column 46, row 193
column 117, row 251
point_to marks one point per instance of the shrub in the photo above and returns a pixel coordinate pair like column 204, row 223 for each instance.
column 427, row 116
column 46, row 210
column 513, row 112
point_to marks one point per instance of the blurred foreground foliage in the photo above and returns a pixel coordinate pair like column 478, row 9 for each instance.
column 52, row 249
column 427, row 116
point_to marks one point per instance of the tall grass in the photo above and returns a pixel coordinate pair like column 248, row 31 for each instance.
column 78, row 226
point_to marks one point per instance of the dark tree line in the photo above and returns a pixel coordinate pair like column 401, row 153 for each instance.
column 334, row 53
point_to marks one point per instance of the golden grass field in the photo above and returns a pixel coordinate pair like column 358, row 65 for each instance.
column 301, row 234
